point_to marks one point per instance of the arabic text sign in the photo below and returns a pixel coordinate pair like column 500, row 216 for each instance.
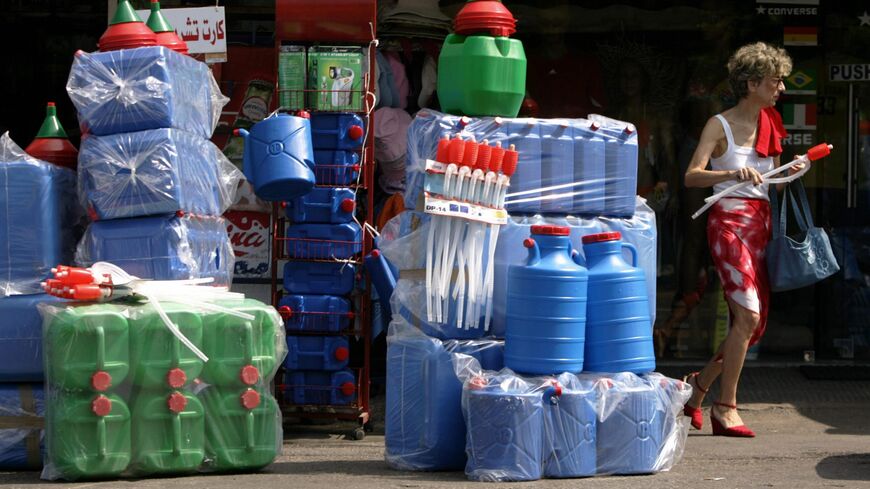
column 203, row 29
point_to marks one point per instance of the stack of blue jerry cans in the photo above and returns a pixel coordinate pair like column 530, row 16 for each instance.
column 323, row 244
column 38, row 215
column 149, row 178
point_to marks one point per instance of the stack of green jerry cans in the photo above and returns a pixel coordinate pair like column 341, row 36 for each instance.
column 127, row 397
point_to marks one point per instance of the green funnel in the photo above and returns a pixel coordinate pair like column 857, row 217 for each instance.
column 51, row 127
column 124, row 14
column 156, row 21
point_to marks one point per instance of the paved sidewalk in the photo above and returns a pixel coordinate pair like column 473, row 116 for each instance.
column 811, row 434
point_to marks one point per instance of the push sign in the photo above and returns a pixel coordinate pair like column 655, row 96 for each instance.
column 849, row 73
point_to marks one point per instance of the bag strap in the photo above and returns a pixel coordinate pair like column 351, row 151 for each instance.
column 775, row 212
column 805, row 204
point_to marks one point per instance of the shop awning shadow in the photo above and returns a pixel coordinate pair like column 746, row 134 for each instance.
column 853, row 467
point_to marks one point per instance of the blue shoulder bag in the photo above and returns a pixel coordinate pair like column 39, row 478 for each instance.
column 797, row 262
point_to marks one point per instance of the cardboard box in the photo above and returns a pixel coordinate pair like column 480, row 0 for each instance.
column 292, row 71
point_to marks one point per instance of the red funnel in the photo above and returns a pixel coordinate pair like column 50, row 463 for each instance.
column 126, row 31
column 166, row 35
column 51, row 143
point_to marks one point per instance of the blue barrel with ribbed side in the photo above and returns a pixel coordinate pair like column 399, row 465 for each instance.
column 279, row 157
column 618, row 326
column 546, row 306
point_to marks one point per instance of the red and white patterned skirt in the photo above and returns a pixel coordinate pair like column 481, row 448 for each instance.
column 738, row 230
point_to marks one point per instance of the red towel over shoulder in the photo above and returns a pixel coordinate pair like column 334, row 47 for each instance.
column 770, row 132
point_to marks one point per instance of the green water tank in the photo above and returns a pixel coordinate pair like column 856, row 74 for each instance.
column 168, row 429
column 242, row 428
column 481, row 75
column 159, row 360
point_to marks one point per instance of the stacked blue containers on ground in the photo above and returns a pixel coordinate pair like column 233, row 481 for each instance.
column 38, row 212
column 575, row 178
column 149, row 178
column 323, row 242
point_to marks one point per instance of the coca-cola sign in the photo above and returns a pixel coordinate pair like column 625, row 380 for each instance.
column 249, row 235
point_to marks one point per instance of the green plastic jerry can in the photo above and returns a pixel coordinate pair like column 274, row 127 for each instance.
column 242, row 352
column 168, row 432
column 87, row 348
column 481, row 75
column 88, row 434
column 243, row 428
column 158, row 359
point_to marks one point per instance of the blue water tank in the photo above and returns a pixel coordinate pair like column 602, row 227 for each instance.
column 21, row 337
column 311, row 241
column 320, row 313
column 319, row 278
column 618, row 326
column 505, row 432
column 620, row 161
column 23, row 406
column 337, row 130
column 323, row 205
column 319, row 387
column 279, row 158
column 557, row 165
column 316, row 353
column 335, row 167
column 424, row 427
column 546, row 306
column 570, row 424
column 525, row 135
column 630, row 438
column 589, row 168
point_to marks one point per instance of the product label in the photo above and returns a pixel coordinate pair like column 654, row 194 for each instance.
column 249, row 236
column 452, row 208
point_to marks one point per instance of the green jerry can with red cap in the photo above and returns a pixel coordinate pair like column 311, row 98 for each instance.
column 242, row 352
column 88, row 435
column 168, row 430
column 242, row 429
column 87, row 348
column 158, row 359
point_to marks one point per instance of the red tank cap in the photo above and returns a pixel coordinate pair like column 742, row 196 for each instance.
column 376, row 253
column 249, row 375
column 303, row 114
column 286, row 312
column 101, row 381
column 602, row 237
column 250, row 399
column 341, row 353
column 176, row 378
column 347, row 205
column 529, row 243
column 101, row 405
column 550, row 230
column 477, row 383
column 348, row 388
column 176, row 402
column 355, row 132
column 283, row 204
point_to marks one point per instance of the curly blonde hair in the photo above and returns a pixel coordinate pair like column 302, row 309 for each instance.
column 754, row 62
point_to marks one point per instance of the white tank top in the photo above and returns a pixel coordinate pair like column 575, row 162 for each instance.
column 736, row 157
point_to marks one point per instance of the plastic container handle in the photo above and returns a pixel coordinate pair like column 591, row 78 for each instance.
column 633, row 251
column 534, row 252
column 246, row 163
column 578, row 258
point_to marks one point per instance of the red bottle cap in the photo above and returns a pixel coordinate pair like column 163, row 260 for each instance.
column 528, row 242
column 250, row 399
column 286, row 312
column 376, row 253
column 456, row 150
column 303, row 114
column 249, row 375
column 469, row 157
column 101, row 381
column 477, row 383
column 101, row 405
column 484, row 155
column 341, row 353
column 496, row 158
column 355, row 132
column 176, row 402
column 819, row 151
column 347, row 205
column 602, row 237
column 348, row 388
column 176, row 378
column 443, row 152
column 509, row 165
column 550, row 230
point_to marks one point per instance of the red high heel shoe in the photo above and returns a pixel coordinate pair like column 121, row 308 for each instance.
column 719, row 429
column 694, row 412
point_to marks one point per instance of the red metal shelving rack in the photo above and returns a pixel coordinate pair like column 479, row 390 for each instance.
column 345, row 22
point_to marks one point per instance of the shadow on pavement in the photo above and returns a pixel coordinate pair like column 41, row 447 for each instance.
column 854, row 467
column 359, row 468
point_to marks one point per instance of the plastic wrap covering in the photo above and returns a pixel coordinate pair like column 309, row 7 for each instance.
column 162, row 247
column 403, row 241
column 21, row 338
column 127, row 398
column 38, row 214
column 573, row 425
column 154, row 172
column 22, row 417
column 563, row 163
column 424, row 425
column 145, row 88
